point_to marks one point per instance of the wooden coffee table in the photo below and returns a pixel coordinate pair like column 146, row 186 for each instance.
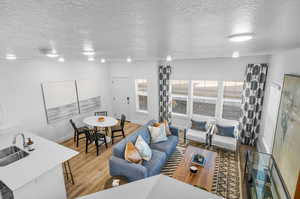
column 204, row 177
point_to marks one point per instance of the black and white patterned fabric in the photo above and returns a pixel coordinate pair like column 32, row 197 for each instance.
column 252, row 102
column 164, row 93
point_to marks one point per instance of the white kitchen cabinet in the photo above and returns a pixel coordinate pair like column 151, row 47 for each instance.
column 50, row 185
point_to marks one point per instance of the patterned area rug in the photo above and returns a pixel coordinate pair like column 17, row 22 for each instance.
column 226, row 182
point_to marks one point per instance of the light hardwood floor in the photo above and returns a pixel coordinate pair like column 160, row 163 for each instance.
column 90, row 171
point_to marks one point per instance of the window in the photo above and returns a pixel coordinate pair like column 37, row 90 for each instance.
column 179, row 95
column 141, row 90
column 232, row 100
column 210, row 98
column 205, row 95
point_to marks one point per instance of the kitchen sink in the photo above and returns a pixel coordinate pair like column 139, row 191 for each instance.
column 10, row 155
column 8, row 151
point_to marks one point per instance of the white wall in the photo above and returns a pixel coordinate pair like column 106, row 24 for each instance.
column 287, row 62
column 211, row 69
column 21, row 95
column 214, row 69
column 139, row 70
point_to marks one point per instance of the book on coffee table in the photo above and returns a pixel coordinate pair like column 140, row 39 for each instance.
column 198, row 159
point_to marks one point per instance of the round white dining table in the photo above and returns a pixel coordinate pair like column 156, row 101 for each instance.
column 108, row 122
column 93, row 121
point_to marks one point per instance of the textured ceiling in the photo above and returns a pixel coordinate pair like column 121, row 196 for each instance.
column 147, row 29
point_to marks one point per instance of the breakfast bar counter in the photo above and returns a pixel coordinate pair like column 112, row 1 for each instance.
column 47, row 156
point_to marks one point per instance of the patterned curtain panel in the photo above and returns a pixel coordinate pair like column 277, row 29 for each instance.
column 252, row 102
column 164, row 93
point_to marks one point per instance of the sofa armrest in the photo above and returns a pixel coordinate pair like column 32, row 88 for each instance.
column 174, row 130
column 212, row 130
column 132, row 171
column 236, row 132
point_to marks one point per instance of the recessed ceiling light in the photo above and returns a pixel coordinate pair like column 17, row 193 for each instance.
column 103, row 60
column 89, row 53
column 169, row 58
column 61, row 59
column 52, row 55
column 91, row 59
column 235, row 54
column 129, row 60
column 240, row 37
column 11, row 57
column 88, row 46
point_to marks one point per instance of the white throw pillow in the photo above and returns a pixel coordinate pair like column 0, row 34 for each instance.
column 158, row 134
column 143, row 148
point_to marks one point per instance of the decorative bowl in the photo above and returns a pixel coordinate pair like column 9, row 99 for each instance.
column 193, row 169
column 101, row 119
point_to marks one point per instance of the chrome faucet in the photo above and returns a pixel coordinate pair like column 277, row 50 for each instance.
column 15, row 139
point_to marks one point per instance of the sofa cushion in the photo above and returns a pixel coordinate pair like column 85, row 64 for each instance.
column 131, row 154
column 195, row 135
column 167, row 127
column 143, row 148
column 156, row 163
column 199, row 125
column 167, row 146
column 118, row 149
column 227, row 131
column 158, row 134
column 224, row 142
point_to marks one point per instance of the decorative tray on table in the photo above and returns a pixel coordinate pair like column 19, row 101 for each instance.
column 198, row 159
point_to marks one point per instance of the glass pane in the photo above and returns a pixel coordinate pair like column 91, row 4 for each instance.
column 141, row 85
column 179, row 106
column 204, row 107
column 204, row 88
column 231, row 110
column 143, row 102
column 232, row 100
column 233, row 90
column 179, row 87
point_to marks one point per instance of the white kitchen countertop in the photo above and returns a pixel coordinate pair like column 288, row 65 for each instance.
column 154, row 187
column 47, row 155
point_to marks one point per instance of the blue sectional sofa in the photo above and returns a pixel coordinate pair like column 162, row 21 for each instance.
column 118, row 166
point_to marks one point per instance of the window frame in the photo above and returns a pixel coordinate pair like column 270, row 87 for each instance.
column 228, row 99
column 199, row 97
column 190, row 98
column 179, row 97
column 140, row 93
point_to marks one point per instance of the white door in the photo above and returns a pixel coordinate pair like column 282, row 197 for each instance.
column 121, row 97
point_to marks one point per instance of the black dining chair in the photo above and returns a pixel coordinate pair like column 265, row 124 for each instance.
column 101, row 113
column 78, row 132
column 97, row 138
column 118, row 128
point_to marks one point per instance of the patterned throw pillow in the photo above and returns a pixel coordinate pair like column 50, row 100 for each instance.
column 132, row 154
column 156, row 124
column 158, row 134
column 143, row 148
column 199, row 125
